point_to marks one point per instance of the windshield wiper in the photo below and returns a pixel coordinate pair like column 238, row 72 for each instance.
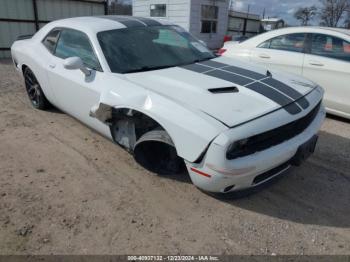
column 150, row 68
column 147, row 68
column 203, row 59
column 197, row 61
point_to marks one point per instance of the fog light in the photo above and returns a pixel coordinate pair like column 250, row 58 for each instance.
column 229, row 188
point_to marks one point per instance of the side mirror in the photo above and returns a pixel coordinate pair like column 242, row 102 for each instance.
column 73, row 63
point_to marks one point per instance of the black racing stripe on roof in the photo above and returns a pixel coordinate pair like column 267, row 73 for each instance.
column 289, row 91
column 275, row 96
column 128, row 22
column 240, row 80
column 148, row 21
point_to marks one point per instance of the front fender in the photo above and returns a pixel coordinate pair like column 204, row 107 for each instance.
column 190, row 129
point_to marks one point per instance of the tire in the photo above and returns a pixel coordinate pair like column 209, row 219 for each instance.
column 156, row 152
column 34, row 91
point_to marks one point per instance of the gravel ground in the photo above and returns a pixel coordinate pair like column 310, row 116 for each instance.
column 66, row 190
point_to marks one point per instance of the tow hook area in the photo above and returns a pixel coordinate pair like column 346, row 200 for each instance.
column 304, row 151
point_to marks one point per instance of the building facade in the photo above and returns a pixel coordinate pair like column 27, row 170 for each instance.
column 272, row 23
column 205, row 19
column 240, row 23
column 25, row 17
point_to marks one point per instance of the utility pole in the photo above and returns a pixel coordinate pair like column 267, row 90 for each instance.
column 264, row 13
column 231, row 5
column 246, row 21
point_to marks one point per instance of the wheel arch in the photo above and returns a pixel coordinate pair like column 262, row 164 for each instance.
column 141, row 121
column 189, row 145
column 23, row 67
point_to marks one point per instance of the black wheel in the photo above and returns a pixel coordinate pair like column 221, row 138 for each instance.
column 34, row 91
column 156, row 152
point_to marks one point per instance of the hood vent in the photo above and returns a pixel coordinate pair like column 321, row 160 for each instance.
column 224, row 90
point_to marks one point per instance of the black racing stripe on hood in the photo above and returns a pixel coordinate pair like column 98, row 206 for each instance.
column 283, row 88
column 289, row 91
column 240, row 80
column 234, row 69
column 244, row 72
column 212, row 63
column 274, row 90
column 196, row 68
column 275, row 96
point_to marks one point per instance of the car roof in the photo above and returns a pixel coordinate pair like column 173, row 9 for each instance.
column 316, row 29
column 95, row 24
column 340, row 30
column 258, row 39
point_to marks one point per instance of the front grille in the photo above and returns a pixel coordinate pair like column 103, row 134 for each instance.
column 262, row 177
column 273, row 137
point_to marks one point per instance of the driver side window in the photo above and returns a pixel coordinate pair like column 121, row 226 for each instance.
column 75, row 43
column 50, row 40
column 330, row 46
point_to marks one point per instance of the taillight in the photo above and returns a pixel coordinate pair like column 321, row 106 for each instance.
column 227, row 38
column 221, row 51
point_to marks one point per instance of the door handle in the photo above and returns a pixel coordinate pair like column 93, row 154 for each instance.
column 265, row 56
column 52, row 65
column 316, row 63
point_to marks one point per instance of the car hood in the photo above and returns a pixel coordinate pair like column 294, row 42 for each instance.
column 230, row 91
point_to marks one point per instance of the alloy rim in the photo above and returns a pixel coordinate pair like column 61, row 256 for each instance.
column 32, row 88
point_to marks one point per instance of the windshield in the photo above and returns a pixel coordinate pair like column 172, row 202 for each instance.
column 149, row 48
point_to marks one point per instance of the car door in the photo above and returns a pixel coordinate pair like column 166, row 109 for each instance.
column 285, row 52
column 75, row 92
column 328, row 64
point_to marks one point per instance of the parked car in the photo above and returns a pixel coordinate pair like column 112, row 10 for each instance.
column 239, row 38
column 236, row 38
column 152, row 88
column 317, row 53
column 233, row 40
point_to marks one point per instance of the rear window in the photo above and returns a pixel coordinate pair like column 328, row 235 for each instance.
column 50, row 40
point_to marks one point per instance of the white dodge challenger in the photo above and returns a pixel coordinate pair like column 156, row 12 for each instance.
column 152, row 88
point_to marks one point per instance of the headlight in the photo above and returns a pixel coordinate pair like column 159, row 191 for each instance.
column 236, row 148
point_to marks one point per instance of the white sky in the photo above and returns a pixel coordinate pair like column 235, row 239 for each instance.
column 275, row 8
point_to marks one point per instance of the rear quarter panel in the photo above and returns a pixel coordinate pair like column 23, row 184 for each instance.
column 236, row 50
column 33, row 54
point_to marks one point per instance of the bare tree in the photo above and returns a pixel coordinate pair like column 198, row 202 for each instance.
column 347, row 21
column 305, row 14
column 332, row 11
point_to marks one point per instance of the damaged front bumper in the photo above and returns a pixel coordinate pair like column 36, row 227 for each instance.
column 216, row 173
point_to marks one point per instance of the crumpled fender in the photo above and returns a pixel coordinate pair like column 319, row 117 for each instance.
column 190, row 129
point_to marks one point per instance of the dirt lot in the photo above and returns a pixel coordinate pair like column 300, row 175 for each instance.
column 66, row 190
